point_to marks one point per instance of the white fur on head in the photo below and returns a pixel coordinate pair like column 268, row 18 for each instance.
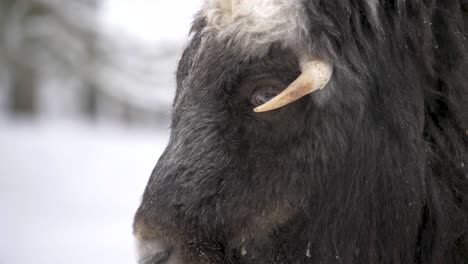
column 253, row 25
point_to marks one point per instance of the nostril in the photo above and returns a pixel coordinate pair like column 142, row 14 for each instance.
column 154, row 251
column 158, row 258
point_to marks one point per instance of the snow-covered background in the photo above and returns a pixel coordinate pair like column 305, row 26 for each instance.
column 69, row 185
column 68, row 190
column 151, row 21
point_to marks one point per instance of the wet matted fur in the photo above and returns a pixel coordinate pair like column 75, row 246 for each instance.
column 371, row 169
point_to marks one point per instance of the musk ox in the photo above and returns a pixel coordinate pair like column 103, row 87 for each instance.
column 315, row 131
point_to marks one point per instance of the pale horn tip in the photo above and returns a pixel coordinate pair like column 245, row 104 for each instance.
column 315, row 75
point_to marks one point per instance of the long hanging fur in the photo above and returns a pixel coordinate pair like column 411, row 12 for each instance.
column 371, row 169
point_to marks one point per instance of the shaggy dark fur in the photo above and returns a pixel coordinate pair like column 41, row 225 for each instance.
column 371, row 169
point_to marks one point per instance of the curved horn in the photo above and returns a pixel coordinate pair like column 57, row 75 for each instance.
column 315, row 75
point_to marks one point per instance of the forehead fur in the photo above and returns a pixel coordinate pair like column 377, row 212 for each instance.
column 253, row 25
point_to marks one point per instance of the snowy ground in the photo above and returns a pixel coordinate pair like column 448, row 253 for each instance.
column 68, row 191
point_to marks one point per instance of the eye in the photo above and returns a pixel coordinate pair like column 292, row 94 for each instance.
column 264, row 91
column 262, row 96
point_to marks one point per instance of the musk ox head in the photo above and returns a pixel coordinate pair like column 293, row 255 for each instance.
column 315, row 131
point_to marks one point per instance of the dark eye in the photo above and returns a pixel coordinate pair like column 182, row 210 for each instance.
column 264, row 92
column 262, row 96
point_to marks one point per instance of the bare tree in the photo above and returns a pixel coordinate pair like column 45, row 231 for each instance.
column 61, row 39
column 40, row 36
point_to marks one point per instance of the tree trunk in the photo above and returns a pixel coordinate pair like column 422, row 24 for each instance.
column 24, row 91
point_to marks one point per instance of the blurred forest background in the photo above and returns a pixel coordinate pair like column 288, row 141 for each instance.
column 85, row 94
column 58, row 59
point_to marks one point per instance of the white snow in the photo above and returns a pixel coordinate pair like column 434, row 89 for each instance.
column 151, row 21
column 68, row 190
